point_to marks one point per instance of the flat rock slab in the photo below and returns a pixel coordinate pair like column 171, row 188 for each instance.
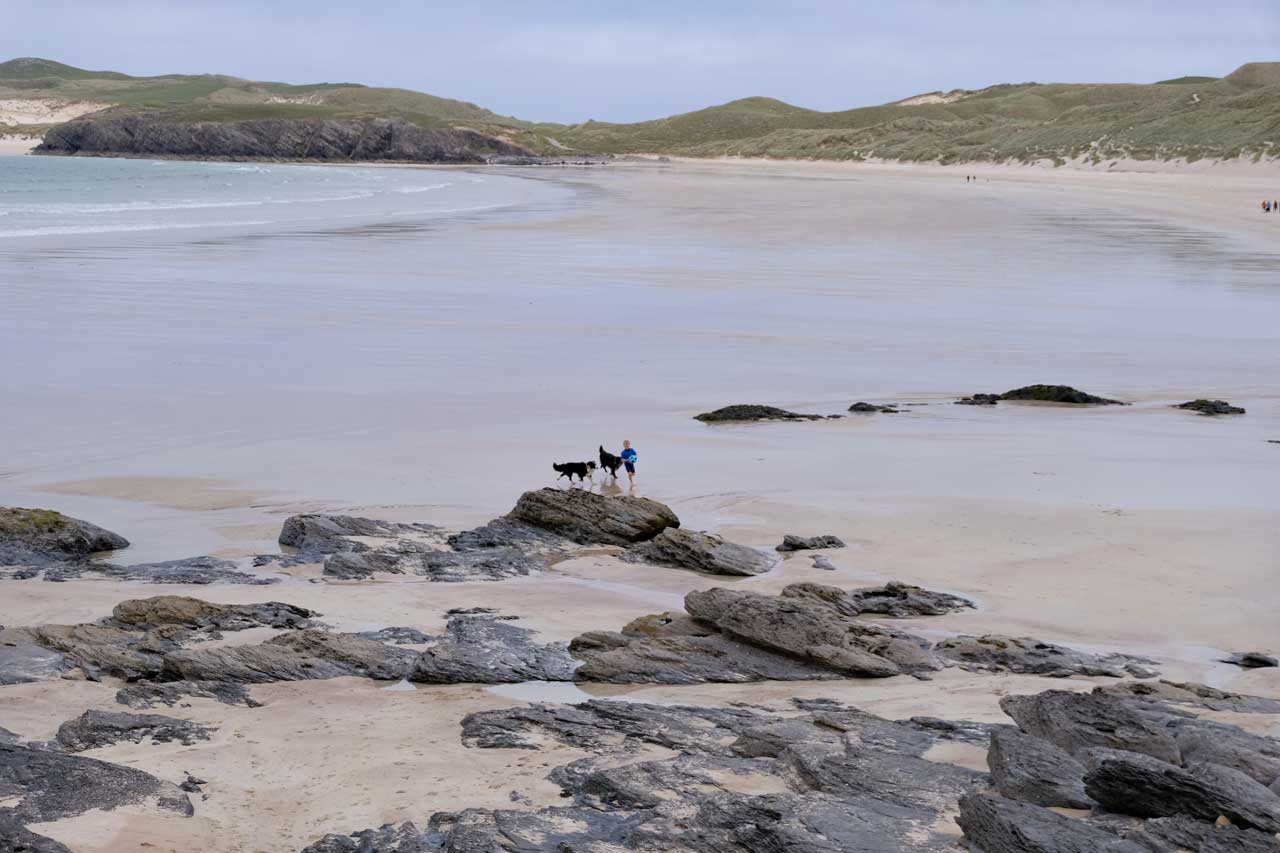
column 896, row 599
column 701, row 552
column 1080, row 721
column 1029, row 656
column 1191, row 693
column 22, row 663
column 1211, row 407
column 93, row 729
column 192, row 570
column 746, row 412
column 145, row 695
column 187, row 612
column 1251, row 660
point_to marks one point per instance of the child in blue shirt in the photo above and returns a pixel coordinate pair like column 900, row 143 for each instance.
column 628, row 457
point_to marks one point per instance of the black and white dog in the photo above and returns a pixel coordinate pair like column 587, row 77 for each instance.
column 568, row 469
column 609, row 462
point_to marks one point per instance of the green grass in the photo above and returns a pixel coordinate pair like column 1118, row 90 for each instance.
column 18, row 521
column 1186, row 117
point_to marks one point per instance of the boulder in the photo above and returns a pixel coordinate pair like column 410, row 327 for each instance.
column 1251, row 660
column 1079, row 721
column 1147, row 787
column 1191, row 693
column 1035, row 771
column 28, row 535
column 752, row 412
column 24, row 662
column 1211, row 407
column 791, row 542
column 1184, row 833
column 486, row 650
column 190, row 570
column 143, row 613
column 702, row 552
column 871, row 408
column 93, row 729
column 896, row 599
column 319, row 533
column 979, row 400
column 1029, row 656
column 294, row 656
column 591, row 519
column 98, row 650
column 822, row 562
column 998, row 825
column 1058, row 394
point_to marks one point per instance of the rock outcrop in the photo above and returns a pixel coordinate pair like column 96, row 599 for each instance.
column 1026, row 655
column 979, row 400
column 1058, row 394
column 154, row 133
column 93, row 729
column 896, row 599
column 872, row 408
column 701, row 552
column 1251, row 660
column 187, row 612
column 753, row 412
column 591, row 519
column 293, row 656
column 144, row 695
column 1190, row 693
column 1035, row 771
column 40, row 536
column 1211, row 407
column 41, row 785
column 999, row 825
column 488, row 650
column 791, row 542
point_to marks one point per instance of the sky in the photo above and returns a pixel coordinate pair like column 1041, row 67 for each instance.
column 629, row 61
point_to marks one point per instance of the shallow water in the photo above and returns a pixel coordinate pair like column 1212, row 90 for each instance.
column 437, row 337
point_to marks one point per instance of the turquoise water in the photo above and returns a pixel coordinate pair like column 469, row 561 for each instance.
column 49, row 196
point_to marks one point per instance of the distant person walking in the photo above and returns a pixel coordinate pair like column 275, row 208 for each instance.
column 628, row 456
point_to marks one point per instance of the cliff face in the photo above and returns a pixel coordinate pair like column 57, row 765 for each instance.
column 116, row 132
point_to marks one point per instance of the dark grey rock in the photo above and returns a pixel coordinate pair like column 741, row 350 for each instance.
column 1079, row 721
column 399, row 635
column 1211, row 407
column 821, row 562
column 702, row 552
column 1147, row 787
column 1035, row 771
column 192, row 570
column 160, row 133
column 145, row 695
column 21, row 663
column 1058, row 394
column 319, row 533
column 872, row 408
column 97, row 650
column 588, row 518
column 44, row 785
column 93, row 729
column 1251, row 660
column 1190, row 693
column 1027, row 655
column 1205, row 741
column 752, row 412
column 1167, row 834
column 791, row 542
column 293, row 656
column 388, row 838
column 979, row 400
column 433, row 563
column 38, row 535
column 998, row 825
column 484, row 650
column 897, row 599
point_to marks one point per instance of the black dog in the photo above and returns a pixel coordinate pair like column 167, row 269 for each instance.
column 609, row 462
column 582, row 469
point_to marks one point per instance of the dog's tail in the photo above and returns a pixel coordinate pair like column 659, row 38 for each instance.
column 556, row 466
column 602, row 450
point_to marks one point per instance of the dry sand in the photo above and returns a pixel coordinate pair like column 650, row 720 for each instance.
column 12, row 144
column 1140, row 529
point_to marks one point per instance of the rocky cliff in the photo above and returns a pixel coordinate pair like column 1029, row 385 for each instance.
column 159, row 134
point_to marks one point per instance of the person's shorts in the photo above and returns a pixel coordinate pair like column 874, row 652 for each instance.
column 631, row 467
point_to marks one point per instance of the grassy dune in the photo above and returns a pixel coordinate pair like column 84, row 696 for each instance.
column 1187, row 117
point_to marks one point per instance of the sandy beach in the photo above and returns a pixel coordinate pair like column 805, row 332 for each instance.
column 432, row 370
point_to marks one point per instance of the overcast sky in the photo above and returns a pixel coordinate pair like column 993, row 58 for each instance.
column 626, row 61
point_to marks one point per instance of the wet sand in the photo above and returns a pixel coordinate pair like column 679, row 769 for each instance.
column 434, row 373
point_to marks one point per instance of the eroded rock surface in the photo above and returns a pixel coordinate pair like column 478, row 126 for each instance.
column 791, row 542
column 1251, row 660
column 486, row 650
column 293, row 656
column 897, row 599
column 93, row 729
column 1211, row 407
column 1058, row 394
column 1035, row 771
column 752, row 412
column 38, row 536
column 872, row 408
column 999, row 825
column 591, row 519
column 144, row 695
column 1027, row 655
column 187, row 612
column 1190, row 693
column 191, row 570
column 702, row 552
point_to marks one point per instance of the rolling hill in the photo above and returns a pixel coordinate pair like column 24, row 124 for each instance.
column 1189, row 117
